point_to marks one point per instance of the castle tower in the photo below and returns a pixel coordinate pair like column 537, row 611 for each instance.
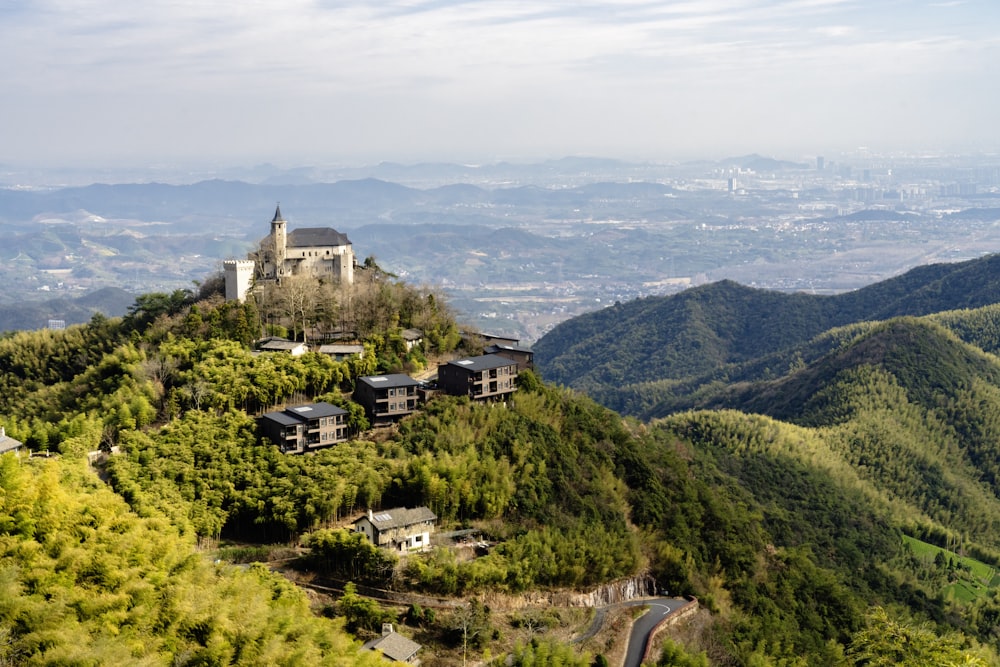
column 279, row 239
column 239, row 277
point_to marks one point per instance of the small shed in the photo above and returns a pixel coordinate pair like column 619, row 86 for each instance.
column 412, row 338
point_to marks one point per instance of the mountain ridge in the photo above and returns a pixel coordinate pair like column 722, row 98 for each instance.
column 706, row 328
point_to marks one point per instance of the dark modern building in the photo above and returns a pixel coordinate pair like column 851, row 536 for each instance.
column 524, row 357
column 484, row 378
column 386, row 398
column 305, row 428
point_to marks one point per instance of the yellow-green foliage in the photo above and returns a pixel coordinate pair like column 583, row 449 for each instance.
column 83, row 580
column 886, row 641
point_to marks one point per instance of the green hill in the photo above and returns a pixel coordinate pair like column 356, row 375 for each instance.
column 790, row 532
column 704, row 331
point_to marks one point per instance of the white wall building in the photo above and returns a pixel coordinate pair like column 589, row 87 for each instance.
column 319, row 252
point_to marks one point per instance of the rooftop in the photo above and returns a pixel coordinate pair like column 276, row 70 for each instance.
column 390, row 380
column 394, row 646
column 308, row 237
column 303, row 413
column 399, row 517
column 482, row 363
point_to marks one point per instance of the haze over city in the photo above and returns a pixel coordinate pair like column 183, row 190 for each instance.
column 111, row 83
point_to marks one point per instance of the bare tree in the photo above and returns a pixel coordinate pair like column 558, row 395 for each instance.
column 299, row 296
column 472, row 621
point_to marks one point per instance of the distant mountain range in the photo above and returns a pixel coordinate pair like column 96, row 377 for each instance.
column 225, row 204
column 659, row 354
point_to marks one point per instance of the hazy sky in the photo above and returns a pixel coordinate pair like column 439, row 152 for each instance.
column 342, row 81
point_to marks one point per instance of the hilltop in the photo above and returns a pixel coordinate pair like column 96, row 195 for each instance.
column 850, row 497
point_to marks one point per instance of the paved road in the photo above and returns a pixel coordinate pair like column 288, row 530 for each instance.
column 658, row 609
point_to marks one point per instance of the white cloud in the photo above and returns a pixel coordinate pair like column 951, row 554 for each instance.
column 121, row 77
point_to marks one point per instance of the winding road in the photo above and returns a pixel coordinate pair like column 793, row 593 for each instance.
column 643, row 626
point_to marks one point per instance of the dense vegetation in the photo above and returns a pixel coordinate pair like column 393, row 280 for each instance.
column 724, row 331
column 86, row 581
column 788, row 524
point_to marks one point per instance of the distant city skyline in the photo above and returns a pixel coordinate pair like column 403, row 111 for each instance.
column 106, row 82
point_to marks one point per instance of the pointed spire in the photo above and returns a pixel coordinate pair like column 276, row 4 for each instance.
column 277, row 214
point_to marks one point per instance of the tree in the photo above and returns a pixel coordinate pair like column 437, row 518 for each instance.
column 885, row 641
column 298, row 298
column 362, row 613
column 472, row 624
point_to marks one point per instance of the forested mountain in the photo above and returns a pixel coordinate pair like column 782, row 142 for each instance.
column 860, row 528
column 701, row 334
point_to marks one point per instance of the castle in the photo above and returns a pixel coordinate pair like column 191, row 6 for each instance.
column 320, row 252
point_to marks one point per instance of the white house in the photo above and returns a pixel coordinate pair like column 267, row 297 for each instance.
column 399, row 529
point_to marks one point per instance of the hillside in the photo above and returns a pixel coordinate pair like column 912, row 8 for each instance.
column 911, row 408
column 706, row 331
column 791, row 538
column 108, row 301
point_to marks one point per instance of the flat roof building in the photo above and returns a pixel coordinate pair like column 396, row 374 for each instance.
column 304, row 428
column 387, row 398
column 484, row 378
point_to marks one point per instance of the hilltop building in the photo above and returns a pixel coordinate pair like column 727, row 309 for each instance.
column 489, row 377
column 320, row 252
column 524, row 357
column 387, row 398
column 304, row 428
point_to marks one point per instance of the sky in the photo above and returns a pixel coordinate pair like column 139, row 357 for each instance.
column 111, row 82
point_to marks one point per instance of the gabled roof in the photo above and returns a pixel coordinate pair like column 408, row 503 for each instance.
column 310, row 237
column 335, row 348
column 8, row 444
column 412, row 334
column 482, row 363
column 399, row 517
column 394, row 646
column 281, row 345
column 391, row 380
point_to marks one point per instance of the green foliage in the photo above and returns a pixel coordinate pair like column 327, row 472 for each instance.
column 208, row 472
column 362, row 613
column 947, row 572
column 673, row 655
column 85, row 581
column 348, row 555
column 786, row 531
column 547, row 653
column 706, row 332
column 886, row 641
column 150, row 307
